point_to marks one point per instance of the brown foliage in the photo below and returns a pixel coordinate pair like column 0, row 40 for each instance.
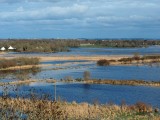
column 5, row 63
column 103, row 62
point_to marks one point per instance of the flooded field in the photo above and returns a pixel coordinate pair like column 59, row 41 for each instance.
column 121, row 72
column 74, row 69
column 88, row 93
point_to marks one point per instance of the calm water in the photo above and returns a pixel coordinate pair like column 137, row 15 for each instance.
column 92, row 93
column 112, row 51
column 145, row 72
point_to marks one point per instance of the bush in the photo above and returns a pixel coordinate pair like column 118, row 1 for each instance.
column 103, row 62
column 27, row 61
column 5, row 63
column 86, row 75
column 143, row 107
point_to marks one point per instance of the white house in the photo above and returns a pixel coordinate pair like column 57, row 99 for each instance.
column 3, row 48
column 11, row 48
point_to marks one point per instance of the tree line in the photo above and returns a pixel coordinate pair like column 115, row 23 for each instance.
column 59, row 45
column 122, row 43
column 40, row 45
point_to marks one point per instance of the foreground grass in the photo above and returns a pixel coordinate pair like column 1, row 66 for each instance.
column 32, row 109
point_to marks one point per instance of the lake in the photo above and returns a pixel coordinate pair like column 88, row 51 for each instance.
column 91, row 93
column 118, row 72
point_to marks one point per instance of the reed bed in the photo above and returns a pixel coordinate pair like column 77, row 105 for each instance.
column 6, row 63
column 34, row 109
column 130, row 60
column 125, row 82
column 111, row 82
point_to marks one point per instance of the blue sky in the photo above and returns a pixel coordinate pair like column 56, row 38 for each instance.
column 79, row 19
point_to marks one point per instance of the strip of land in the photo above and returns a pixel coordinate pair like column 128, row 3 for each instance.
column 90, row 58
column 22, row 82
column 111, row 82
column 125, row 82
column 23, row 67
column 112, row 59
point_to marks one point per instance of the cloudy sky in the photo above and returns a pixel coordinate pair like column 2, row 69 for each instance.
column 79, row 18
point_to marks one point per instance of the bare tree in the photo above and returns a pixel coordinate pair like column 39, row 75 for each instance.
column 86, row 75
column 68, row 78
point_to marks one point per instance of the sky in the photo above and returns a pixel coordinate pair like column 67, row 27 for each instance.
column 80, row 19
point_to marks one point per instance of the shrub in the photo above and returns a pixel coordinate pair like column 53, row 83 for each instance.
column 103, row 62
column 5, row 63
column 86, row 75
column 125, row 60
column 143, row 107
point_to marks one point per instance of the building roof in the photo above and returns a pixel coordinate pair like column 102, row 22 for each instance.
column 11, row 48
column 3, row 48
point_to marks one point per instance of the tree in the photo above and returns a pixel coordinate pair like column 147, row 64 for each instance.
column 86, row 75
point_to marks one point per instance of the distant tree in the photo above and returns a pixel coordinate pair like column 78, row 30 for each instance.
column 137, row 57
column 86, row 75
column 68, row 78
column 103, row 62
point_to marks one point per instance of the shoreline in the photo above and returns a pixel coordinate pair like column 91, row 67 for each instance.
column 70, row 57
column 23, row 67
column 113, row 59
column 78, row 57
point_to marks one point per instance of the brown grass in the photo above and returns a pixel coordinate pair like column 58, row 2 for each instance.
column 125, row 82
column 21, row 82
column 112, row 82
column 78, row 57
column 44, row 109
column 6, row 63
column 130, row 60
column 24, row 67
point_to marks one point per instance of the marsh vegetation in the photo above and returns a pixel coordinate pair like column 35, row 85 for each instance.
column 6, row 63
column 130, row 60
column 44, row 109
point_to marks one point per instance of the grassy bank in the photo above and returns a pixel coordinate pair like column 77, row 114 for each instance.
column 116, row 82
column 130, row 60
column 61, row 110
column 111, row 82
column 125, row 82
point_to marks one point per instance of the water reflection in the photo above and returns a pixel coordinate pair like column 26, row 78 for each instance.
column 82, row 93
column 20, row 73
column 119, row 72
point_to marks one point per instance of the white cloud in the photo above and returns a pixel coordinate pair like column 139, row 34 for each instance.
column 81, row 13
column 44, row 13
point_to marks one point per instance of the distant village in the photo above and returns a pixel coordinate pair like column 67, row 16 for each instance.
column 10, row 48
